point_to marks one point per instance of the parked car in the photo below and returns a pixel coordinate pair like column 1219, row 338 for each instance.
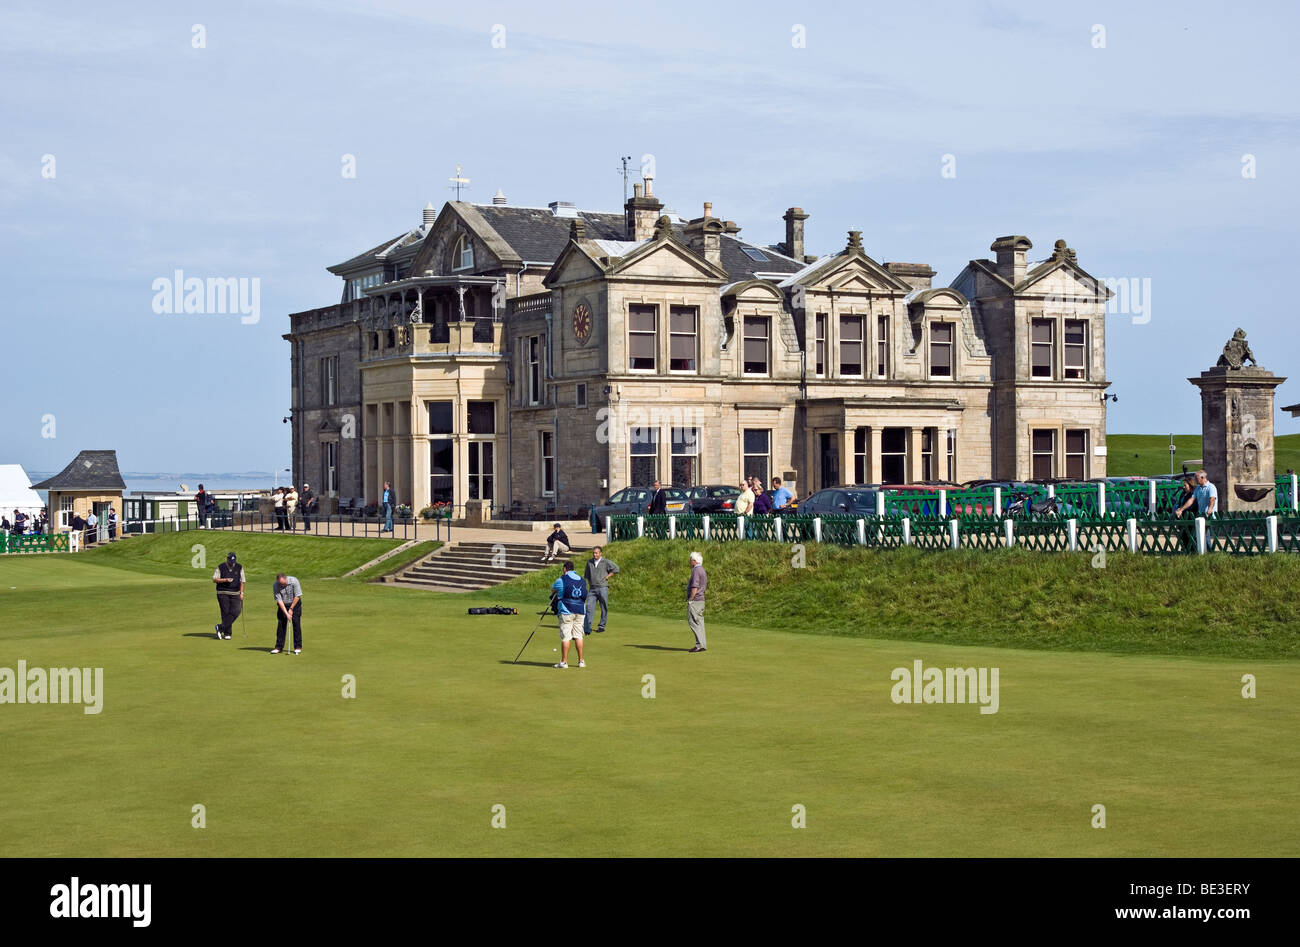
column 636, row 500
column 857, row 501
column 712, row 498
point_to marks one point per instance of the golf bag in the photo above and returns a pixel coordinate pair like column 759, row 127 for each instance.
column 494, row 610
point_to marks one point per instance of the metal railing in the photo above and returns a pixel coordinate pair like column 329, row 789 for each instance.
column 409, row 528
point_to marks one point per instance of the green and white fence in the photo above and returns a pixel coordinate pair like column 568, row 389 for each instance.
column 1234, row 533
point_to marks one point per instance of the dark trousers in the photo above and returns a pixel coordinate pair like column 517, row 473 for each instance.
column 281, row 625
column 281, row 518
column 306, row 521
column 231, row 607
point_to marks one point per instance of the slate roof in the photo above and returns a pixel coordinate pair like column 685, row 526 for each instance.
column 89, row 470
column 538, row 236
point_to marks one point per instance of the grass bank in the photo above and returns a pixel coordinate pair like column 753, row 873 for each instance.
column 1210, row 605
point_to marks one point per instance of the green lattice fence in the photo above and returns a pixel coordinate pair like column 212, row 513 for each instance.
column 1077, row 500
column 798, row 529
column 1129, row 499
column 1288, row 533
column 1045, row 535
column 840, row 530
column 1282, row 494
column 1168, row 536
column 622, row 527
column 722, row 527
column 1238, row 535
column 1169, row 496
column 884, row 532
column 690, row 526
column 973, row 502
column 930, row 533
column 43, row 542
column 982, row 532
column 656, row 527
column 1110, row 532
column 917, row 504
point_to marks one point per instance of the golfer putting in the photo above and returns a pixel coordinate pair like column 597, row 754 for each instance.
column 288, row 607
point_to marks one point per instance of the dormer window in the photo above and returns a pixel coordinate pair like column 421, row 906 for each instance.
column 463, row 257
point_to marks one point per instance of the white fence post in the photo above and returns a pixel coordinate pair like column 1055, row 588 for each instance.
column 907, row 531
column 1272, row 533
column 1072, row 528
column 953, row 534
column 880, row 502
column 740, row 527
column 997, row 501
column 862, row 532
column 943, row 502
column 609, row 530
column 1151, row 497
column 74, row 541
column 672, row 527
column 1010, row 526
column 1051, row 489
column 1101, row 499
column 817, row 529
column 706, row 527
column 1295, row 499
column 1200, row 535
column 640, row 526
column 780, row 530
column 1131, row 527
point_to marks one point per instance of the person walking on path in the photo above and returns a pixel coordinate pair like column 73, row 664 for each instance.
column 781, row 495
column 570, row 602
column 658, row 501
column 745, row 502
column 695, row 602
column 288, row 607
column 229, row 580
column 597, row 574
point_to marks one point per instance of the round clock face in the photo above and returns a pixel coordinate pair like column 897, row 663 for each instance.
column 582, row 323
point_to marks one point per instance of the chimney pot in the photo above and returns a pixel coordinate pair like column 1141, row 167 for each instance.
column 636, row 189
column 794, row 218
column 708, row 208
column 430, row 215
column 499, row 197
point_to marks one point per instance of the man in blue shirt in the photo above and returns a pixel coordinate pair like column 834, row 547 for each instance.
column 387, row 502
column 781, row 495
column 1205, row 495
column 571, row 607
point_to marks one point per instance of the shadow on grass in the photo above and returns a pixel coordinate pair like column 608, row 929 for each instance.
column 200, row 634
column 531, row 664
column 654, row 647
column 263, row 650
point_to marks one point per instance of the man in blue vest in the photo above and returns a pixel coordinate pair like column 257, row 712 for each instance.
column 387, row 501
column 571, row 607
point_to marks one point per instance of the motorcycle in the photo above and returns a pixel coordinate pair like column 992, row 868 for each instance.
column 1022, row 506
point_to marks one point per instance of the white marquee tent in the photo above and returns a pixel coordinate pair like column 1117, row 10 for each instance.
column 16, row 491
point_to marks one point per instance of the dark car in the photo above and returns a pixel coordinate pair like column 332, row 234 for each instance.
column 636, row 500
column 712, row 498
column 857, row 501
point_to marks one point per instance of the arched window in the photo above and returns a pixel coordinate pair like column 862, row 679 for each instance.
column 463, row 257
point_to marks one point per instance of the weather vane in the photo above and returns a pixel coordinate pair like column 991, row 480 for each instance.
column 458, row 182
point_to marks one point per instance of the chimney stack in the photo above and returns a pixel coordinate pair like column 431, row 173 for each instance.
column 794, row 218
column 1010, row 260
column 430, row 215
column 704, row 235
column 641, row 211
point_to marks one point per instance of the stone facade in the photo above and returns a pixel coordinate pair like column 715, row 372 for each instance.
column 569, row 354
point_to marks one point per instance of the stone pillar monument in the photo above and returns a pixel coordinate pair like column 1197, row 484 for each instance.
column 1237, row 427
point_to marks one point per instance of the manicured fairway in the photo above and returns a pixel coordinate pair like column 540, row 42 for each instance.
column 444, row 728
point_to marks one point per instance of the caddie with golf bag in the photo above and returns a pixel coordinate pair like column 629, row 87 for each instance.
column 571, row 606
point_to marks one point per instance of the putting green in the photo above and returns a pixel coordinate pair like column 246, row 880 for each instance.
column 444, row 728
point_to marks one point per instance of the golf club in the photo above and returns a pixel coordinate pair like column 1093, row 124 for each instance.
column 550, row 608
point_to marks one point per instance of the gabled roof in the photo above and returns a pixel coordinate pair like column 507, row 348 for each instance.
column 370, row 256
column 89, row 470
column 828, row 264
column 537, row 235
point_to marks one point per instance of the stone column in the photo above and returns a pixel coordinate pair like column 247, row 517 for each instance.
column 874, row 472
column 1237, row 428
column 914, row 454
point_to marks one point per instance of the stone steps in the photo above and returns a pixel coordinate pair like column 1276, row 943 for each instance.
column 470, row 566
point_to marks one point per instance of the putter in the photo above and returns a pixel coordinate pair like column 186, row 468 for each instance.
column 541, row 615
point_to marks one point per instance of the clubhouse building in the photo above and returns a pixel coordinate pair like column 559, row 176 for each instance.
column 546, row 357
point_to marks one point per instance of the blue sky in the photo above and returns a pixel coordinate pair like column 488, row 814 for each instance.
column 225, row 161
